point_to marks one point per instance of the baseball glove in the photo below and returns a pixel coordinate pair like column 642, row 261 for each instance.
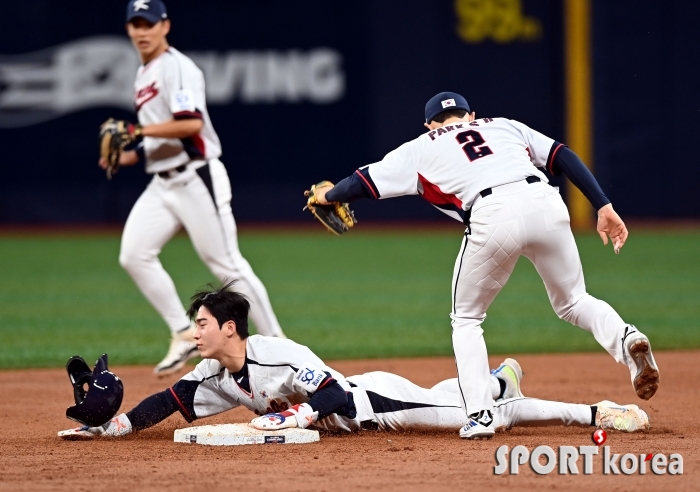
column 336, row 216
column 114, row 136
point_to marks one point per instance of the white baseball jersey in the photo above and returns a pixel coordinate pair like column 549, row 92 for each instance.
column 172, row 87
column 196, row 198
column 280, row 373
column 451, row 165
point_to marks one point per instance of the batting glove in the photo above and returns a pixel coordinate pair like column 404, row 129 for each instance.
column 118, row 426
column 300, row 416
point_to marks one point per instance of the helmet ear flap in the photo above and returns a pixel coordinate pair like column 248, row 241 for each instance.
column 79, row 374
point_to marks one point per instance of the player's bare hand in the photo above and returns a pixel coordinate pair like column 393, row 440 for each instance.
column 320, row 193
column 128, row 158
column 610, row 224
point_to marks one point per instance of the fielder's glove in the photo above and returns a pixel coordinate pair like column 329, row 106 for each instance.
column 300, row 416
column 114, row 136
column 336, row 216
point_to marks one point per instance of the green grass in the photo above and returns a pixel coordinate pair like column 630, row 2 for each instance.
column 368, row 294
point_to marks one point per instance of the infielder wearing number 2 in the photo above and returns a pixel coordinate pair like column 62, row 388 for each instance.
column 488, row 173
column 289, row 386
column 190, row 187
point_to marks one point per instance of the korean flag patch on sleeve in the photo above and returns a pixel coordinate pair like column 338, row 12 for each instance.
column 309, row 378
column 182, row 101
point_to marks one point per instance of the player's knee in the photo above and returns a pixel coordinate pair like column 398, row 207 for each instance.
column 570, row 309
column 566, row 311
column 128, row 260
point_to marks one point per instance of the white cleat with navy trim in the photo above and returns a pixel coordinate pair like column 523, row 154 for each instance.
column 478, row 427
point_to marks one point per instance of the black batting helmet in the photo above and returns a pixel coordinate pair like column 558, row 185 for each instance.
column 103, row 397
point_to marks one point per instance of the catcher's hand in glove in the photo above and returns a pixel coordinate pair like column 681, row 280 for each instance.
column 114, row 136
column 118, row 426
column 336, row 216
column 300, row 416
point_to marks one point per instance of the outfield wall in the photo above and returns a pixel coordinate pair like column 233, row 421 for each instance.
column 299, row 93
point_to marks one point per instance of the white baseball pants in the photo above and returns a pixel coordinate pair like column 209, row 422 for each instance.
column 397, row 404
column 529, row 220
column 200, row 201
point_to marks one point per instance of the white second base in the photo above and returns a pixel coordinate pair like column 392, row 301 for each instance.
column 240, row 434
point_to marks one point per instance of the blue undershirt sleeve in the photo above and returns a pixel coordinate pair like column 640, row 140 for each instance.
column 563, row 160
column 137, row 146
column 162, row 405
column 141, row 152
column 329, row 399
column 349, row 189
column 152, row 410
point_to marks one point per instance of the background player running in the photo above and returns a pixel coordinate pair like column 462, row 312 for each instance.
column 289, row 386
column 488, row 173
column 190, row 187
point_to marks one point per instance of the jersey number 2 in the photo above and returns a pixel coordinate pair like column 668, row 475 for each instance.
column 474, row 145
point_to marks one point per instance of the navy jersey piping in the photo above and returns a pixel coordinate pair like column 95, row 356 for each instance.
column 251, row 361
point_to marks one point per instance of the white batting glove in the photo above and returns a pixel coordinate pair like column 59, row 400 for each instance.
column 300, row 416
column 118, row 426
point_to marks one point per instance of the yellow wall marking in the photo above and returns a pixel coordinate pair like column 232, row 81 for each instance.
column 579, row 111
column 501, row 21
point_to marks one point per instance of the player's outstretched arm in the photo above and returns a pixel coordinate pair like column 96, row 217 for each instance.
column 567, row 162
column 148, row 413
column 328, row 399
column 347, row 190
column 610, row 224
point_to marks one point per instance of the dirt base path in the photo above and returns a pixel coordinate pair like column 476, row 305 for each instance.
column 33, row 403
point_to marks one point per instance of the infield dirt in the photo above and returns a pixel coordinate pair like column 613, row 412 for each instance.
column 33, row 403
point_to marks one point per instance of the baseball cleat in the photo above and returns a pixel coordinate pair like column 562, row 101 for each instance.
column 510, row 373
column 643, row 368
column 182, row 348
column 474, row 430
column 479, row 426
column 625, row 418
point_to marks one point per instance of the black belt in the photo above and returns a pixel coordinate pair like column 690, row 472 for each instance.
column 487, row 192
column 529, row 179
column 167, row 174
